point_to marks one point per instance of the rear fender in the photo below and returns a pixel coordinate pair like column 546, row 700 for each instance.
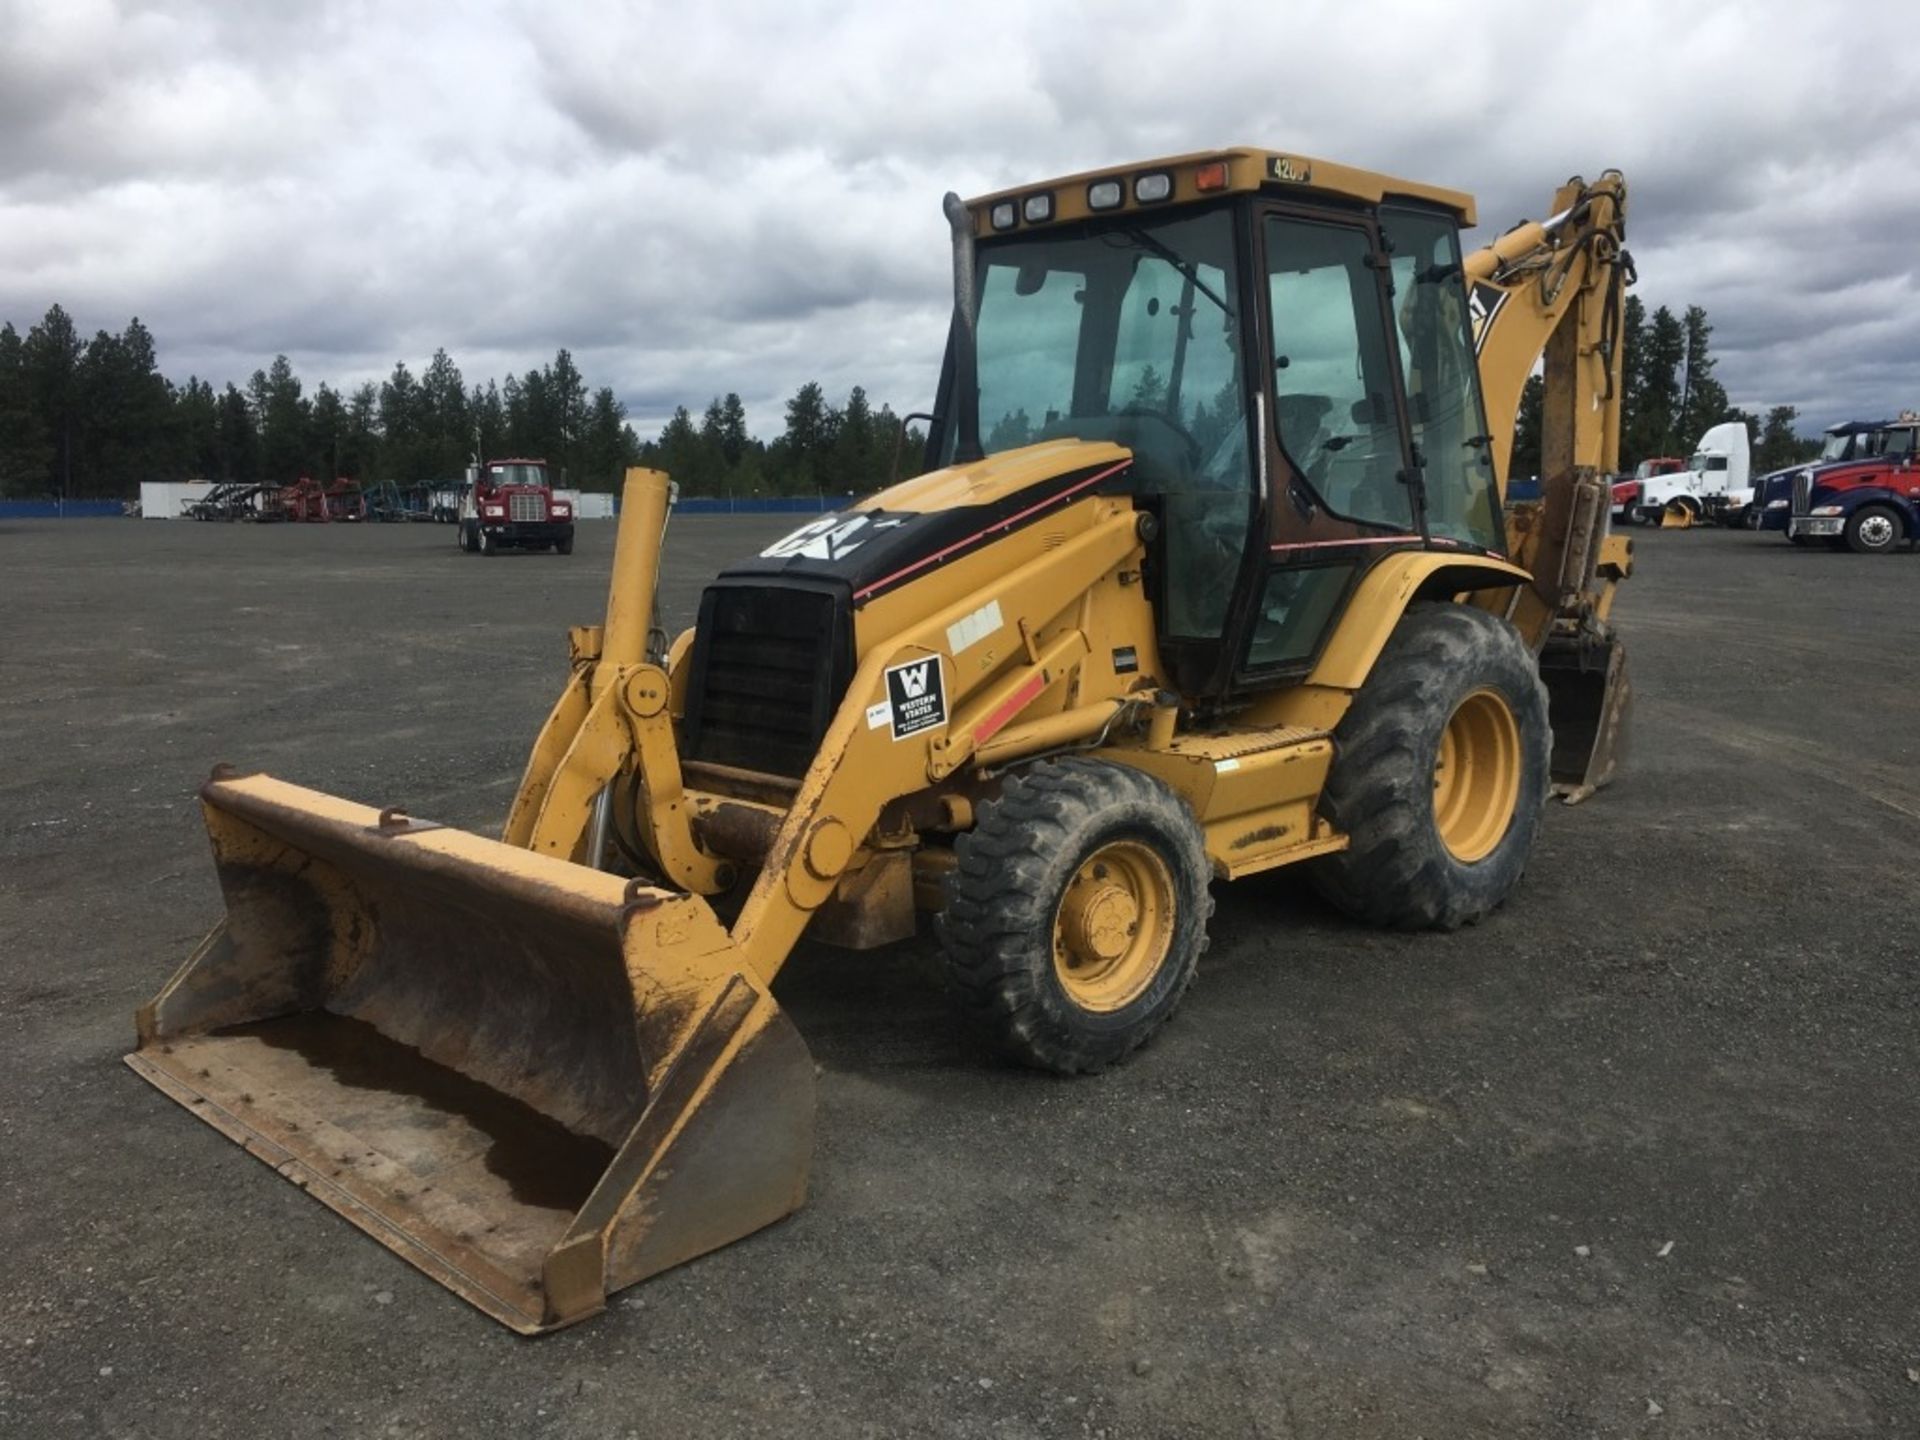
column 1383, row 597
column 1364, row 627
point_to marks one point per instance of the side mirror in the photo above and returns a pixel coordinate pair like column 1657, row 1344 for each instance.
column 900, row 441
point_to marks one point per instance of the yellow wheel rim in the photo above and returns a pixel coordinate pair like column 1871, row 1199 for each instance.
column 1476, row 776
column 1114, row 926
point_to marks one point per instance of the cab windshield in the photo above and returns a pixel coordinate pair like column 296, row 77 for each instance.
column 498, row 475
column 1128, row 330
column 1838, row 447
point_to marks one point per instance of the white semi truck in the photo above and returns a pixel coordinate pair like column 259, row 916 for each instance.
column 1716, row 486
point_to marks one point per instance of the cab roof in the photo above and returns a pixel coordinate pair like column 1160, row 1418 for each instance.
column 1206, row 175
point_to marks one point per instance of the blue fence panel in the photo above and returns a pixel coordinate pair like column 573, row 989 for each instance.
column 761, row 504
column 60, row 509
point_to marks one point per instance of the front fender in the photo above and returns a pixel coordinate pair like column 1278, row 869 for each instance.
column 1854, row 501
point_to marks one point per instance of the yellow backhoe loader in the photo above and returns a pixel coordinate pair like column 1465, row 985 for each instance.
column 1210, row 574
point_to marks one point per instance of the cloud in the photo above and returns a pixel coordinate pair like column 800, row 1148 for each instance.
column 746, row 196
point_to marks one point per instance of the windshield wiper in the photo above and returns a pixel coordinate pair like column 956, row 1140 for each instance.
column 1178, row 261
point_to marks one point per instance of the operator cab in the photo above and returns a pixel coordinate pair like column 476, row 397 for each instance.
column 1285, row 348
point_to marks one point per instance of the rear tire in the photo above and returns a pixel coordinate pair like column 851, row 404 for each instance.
column 1077, row 914
column 1873, row 530
column 1440, row 774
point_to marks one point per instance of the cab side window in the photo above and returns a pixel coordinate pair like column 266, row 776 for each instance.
column 1442, row 378
column 1333, row 371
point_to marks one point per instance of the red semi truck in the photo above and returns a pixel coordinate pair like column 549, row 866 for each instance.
column 510, row 505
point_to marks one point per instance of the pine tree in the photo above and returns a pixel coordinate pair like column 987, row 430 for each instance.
column 603, row 450
column 360, row 451
column 446, row 422
column 328, row 436
column 1149, row 392
column 1779, row 445
column 678, row 450
column 897, row 450
column 851, row 470
column 26, row 452
column 1703, row 400
column 401, row 431
column 1633, row 384
column 733, row 428
column 51, row 361
column 799, row 458
column 1524, row 461
column 1658, row 403
column 197, row 424
column 238, row 437
column 567, row 393
column 489, row 421
column 1010, row 431
column 283, row 418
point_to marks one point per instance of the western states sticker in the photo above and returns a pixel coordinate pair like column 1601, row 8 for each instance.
column 916, row 691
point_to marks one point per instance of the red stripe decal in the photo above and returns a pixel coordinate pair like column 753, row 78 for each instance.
column 1006, row 524
column 1007, row 709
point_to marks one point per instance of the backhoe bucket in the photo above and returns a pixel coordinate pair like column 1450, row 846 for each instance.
column 1589, row 700
column 534, row 1081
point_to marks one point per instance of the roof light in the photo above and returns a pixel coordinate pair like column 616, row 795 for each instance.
column 1002, row 215
column 1103, row 195
column 1037, row 208
column 1211, row 176
column 1151, row 188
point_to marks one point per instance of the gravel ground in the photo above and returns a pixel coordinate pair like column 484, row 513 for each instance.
column 1636, row 1157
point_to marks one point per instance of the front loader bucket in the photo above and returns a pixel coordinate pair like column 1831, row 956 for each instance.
column 1589, row 701
column 1677, row 515
column 533, row 1081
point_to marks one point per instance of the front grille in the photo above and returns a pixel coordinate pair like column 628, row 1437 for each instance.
column 523, row 508
column 770, row 664
column 1802, row 493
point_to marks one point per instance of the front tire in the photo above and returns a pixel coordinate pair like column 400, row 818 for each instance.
column 1077, row 914
column 487, row 544
column 564, row 545
column 1873, row 530
column 1440, row 774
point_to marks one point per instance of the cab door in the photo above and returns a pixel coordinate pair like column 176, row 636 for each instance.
column 1343, row 487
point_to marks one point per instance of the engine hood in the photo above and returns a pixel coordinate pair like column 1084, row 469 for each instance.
column 888, row 538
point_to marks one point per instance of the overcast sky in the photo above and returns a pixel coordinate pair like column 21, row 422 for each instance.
column 703, row 197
